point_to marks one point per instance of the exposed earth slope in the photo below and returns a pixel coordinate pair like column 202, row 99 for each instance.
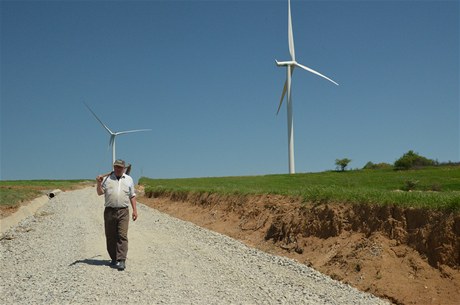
column 409, row 256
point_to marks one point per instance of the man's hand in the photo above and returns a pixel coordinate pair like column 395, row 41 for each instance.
column 99, row 189
column 134, row 215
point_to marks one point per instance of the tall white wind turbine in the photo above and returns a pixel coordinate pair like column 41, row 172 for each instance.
column 113, row 134
column 290, row 65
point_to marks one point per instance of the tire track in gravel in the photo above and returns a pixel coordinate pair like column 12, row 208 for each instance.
column 59, row 257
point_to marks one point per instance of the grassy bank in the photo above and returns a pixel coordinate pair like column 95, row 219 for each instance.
column 436, row 187
column 14, row 192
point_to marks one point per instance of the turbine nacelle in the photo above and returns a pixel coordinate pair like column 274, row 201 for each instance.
column 286, row 63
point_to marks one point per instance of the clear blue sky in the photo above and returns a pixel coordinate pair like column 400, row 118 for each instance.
column 202, row 76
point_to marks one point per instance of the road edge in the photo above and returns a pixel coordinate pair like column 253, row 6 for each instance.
column 23, row 212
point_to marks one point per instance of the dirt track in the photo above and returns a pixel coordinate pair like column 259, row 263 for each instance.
column 58, row 257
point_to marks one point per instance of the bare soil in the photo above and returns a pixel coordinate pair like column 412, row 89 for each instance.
column 406, row 255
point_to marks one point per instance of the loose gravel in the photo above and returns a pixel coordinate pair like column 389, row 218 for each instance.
column 58, row 256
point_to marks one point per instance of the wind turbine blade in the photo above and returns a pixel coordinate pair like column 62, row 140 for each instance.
column 315, row 72
column 107, row 128
column 130, row 131
column 282, row 97
column 290, row 33
column 284, row 92
column 112, row 139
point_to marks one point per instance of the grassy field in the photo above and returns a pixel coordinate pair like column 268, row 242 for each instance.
column 14, row 192
column 434, row 187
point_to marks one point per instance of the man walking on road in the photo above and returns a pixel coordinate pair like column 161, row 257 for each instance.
column 118, row 189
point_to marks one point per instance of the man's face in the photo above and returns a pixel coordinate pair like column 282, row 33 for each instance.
column 118, row 170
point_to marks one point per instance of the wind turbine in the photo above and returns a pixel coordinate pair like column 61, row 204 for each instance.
column 113, row 134
column 290, row 65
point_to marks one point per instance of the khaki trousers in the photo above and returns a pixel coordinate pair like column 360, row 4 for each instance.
column 116, row 232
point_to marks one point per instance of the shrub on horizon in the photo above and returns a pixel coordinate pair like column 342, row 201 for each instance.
column 412, row 160
column 382, row 165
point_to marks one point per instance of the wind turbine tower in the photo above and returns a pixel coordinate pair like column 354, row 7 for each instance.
column 290, row 65
column 113, row 134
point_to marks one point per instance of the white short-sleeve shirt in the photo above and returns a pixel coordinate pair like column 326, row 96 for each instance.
column 118, row 192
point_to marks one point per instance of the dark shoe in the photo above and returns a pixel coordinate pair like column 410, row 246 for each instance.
column 121, row 265
column 114, row 264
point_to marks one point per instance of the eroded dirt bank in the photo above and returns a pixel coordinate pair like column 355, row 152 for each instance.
column 409, row 256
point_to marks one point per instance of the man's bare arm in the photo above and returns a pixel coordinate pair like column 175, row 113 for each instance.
column 134, row 205
column 99, row 180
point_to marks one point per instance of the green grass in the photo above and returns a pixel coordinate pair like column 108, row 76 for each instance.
column 434, row 187
column 12, row 197
column 13, row 192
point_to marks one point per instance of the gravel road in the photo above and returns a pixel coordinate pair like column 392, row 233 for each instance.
column 58, row 256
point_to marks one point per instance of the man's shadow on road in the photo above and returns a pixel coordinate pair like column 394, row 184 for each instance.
column 92, row 262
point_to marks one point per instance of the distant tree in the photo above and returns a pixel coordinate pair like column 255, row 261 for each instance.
column 412, row 160
column 342, row 163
